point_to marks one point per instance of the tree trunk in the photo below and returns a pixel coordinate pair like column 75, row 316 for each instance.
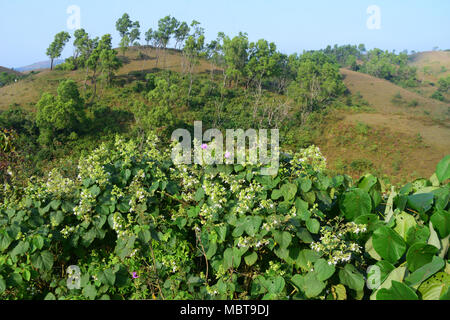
column 51, row 64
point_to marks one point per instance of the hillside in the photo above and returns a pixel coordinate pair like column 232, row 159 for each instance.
column 395, row 139
column 391, row 138
column 431, row 66
column 7, row 70
column 40, row 65
column 27, row 92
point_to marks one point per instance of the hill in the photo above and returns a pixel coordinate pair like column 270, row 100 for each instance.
column 398, row 139
column 7, row 70
column 40, row 65
column 431, row 66
column 137, row 59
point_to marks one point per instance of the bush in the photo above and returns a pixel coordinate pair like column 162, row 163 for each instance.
column 136, row 226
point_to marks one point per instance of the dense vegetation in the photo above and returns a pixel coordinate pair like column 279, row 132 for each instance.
column 138, row 226
column 88, row 181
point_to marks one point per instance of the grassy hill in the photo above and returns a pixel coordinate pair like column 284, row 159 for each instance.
column 142, row 59
column 395, row 139
column 7, row 70
column 431, row 66
column 403, row 138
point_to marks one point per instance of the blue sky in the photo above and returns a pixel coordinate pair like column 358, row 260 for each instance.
column 27, row 27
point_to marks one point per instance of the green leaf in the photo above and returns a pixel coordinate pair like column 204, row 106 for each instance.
column 50, row 296
column 443, row 169
column 355, row 203
column 323, row 269
column 351, row 277
column 231, row 258
column 283, row 238
column 417, row 234
column 252, row 224
column 288, row 191
column 274, row 285
column 421, row 202
column 434, row 239
column 42, row 260
column 305, row 185
column 435, row 287
column 90, row 292
column 404, row 221
column 371, row 251
column 313, row 225
column 419, row 255
column 5, row 241
column 441, row 222
column 367, row 182
column 94, row 190
column 107, row 277
column 424, row 272
column 309, row 284
column 306, row 258
column 398, row 291
column 388, row 244
column 2, row 285
column 251, row 258
column 397, row 274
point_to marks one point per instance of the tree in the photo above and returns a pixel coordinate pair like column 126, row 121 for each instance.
column 181, row 34
column 262, row 62
column 123, row 25
column 193, row 50
column 61, row 114
column 318, row 82
column 236, row 56
column 56, row 47
column 83, row 47
column 149, row 36
column 166, row 28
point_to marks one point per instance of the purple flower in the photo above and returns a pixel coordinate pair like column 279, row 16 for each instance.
column 135, row 276
column 227, row 155
column 204, row 146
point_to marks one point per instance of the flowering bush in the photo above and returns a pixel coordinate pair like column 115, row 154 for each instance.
column 135, row 226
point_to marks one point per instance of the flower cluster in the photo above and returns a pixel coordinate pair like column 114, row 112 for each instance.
column 334, row 243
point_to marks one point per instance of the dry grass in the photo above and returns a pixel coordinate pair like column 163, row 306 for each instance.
column 379, row 93
column 27, row 92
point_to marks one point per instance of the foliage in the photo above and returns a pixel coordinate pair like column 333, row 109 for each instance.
column 138, row 226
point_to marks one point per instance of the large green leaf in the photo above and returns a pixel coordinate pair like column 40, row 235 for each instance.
column 388, row 244
column 424, row 272
column 441, row 222
column 309, row 284
column 403, row 222
column 42, row 260
column 419, row 255
column 421, row 202
column 443, row 169
column 323, row 269
column 397, row 291
column 107, row 277
column 435, row 287
column 351, row 277
column 355, row 203
column 288, row 191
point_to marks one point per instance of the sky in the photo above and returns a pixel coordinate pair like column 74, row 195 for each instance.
column 28, row 27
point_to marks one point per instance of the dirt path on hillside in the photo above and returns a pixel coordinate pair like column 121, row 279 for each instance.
column 433, row 134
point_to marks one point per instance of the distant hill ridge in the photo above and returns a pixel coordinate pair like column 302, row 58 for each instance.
column 40, row 65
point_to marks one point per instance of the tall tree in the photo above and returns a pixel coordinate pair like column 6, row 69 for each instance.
column 56, row 47
column 193, row 49
column 236, row 56
column 181, row 33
